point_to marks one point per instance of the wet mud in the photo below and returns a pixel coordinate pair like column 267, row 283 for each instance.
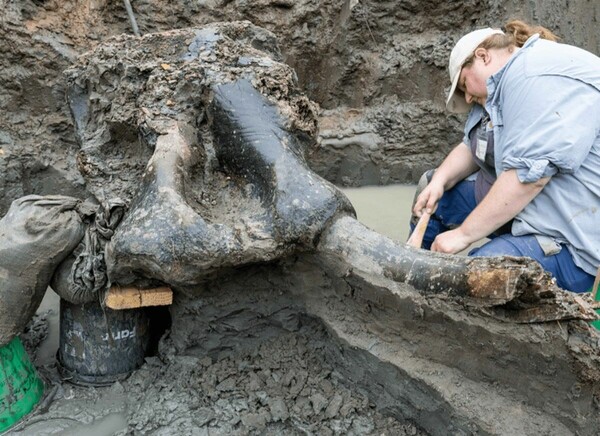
column 309, row 346
column 282, row 381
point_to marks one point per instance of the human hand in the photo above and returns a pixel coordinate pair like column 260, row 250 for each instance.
column 451, row 242
column 428, row 199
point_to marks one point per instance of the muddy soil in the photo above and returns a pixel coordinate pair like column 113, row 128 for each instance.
column 275, row 380
column 284, row 385
column 336, row 349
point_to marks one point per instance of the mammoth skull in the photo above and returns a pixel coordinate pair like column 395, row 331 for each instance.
column 204, row 134
column 224, row 132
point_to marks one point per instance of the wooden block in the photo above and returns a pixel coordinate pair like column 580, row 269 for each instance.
column 118, row 297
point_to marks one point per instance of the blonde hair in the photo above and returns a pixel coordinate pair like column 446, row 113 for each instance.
column 516, row 32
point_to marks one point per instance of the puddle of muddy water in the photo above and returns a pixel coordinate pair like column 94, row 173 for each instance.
column 385, row 209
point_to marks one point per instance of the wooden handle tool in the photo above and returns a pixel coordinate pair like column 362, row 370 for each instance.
column 416, row 238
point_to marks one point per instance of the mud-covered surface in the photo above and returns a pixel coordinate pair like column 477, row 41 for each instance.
column 205, row 134
column 128, row 91
column 392, row 141
column 285, row 385
column 35, row 333
column 315, row 334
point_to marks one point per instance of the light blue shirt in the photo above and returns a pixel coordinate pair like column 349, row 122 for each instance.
column 545, row 108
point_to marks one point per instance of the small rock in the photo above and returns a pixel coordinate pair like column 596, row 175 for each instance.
column 334, row 406
column 239, row 404
column 276, row 376
column 300, row 377
column 302, row 407
column 319, row 402
column 117, row 389
column 254, row 382
column 339, row 426
column 288, row 378
column 325, row 431
column 256, row 421
column 234, row 420
column 362, row 425
column 265, row 374
column 263, row 397
column 279, row 410
column 210, row 380
column 226, row 385
column 327, row 387
column 347, row 409
column 203, row 416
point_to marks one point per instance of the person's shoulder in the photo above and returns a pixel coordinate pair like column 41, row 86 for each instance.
column 545, row 57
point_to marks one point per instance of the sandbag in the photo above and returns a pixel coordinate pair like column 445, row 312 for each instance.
column 36, row 235
column 82, row 276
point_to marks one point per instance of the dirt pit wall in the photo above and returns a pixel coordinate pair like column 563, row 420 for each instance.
column 376, row 69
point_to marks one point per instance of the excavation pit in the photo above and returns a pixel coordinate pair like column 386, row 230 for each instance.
column 285, row 290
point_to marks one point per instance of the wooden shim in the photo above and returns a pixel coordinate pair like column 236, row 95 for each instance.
column 118, row 298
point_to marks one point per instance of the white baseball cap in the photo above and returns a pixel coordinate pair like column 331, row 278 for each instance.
column 463, row 49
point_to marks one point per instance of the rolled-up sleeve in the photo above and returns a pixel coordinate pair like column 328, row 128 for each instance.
column 550, row 124
column 530, row 170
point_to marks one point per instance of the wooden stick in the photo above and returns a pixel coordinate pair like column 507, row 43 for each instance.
column 416, row 238
column 119, row 298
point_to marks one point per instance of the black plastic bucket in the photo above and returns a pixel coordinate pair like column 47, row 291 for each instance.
column 99, row 346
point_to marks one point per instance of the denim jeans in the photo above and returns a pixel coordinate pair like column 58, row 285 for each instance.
column 568, row 275
column 453, row 208
column 457, row 203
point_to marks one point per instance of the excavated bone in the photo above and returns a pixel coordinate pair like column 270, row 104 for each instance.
column 512, row 287
column 227, row 184
column 164, row 238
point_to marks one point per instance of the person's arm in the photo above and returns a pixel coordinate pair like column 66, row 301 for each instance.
column 507, row 197
column 457, row 165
